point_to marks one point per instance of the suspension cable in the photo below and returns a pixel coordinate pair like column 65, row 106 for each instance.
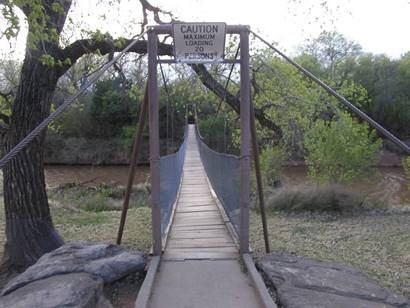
column 37, row 130
column 228, row 80
column 340, row 98
column 168, row 103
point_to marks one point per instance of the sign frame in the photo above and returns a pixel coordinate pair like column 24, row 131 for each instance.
column 220, row 58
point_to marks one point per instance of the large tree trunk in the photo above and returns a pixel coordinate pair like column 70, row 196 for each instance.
column 29, row 228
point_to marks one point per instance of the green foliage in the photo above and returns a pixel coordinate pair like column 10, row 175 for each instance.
column 127, row 137
column 271, row 161
column 47, row 60
column 216, row 133
column 340, row 151
column 334, row 54
column 388, row 84
column 112, row 107
column 13, row 22
column 406, row 167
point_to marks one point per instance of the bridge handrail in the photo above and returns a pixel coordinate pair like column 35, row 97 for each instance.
column 171, row 181
column 223, row 173
column 202, row 139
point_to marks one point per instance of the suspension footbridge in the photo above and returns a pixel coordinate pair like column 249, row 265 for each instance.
column 200, row 265
column 199, row 198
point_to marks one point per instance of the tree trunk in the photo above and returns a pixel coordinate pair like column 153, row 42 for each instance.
column 29, row 228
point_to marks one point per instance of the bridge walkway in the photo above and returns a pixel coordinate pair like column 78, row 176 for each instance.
column 200, row 265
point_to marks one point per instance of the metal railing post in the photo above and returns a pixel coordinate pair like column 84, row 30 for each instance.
column 154, row 141
column 245, row 142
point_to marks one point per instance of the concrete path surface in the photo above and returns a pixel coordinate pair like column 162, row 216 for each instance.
column 200, row 266
column 203, row 284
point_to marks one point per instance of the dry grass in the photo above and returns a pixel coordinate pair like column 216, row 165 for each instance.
column 75, row 223
column 329, row 198
column 377, row 243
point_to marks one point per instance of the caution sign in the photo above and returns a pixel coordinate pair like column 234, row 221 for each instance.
column 199, row 42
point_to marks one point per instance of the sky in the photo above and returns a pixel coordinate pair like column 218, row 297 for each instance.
column 379, row 26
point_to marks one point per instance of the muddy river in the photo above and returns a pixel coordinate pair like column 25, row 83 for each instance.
column 388, row 183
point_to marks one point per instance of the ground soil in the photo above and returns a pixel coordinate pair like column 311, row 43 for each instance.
column 123, row 293
column 93, row 175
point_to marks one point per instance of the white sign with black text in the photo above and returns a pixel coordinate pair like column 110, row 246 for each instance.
column 199, row 42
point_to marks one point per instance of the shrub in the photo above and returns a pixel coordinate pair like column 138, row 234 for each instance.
column 112, row 107
column 103, row 197
column 319, row 199
column 406, row 166
column 217, row 134
column 271, row 160
column 96, row 204
column 341, row 151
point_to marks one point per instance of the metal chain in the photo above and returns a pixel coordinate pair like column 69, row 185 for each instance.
column 36, row 131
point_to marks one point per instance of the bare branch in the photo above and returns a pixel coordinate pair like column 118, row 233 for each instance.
column 148, row 7
column 233, row 101
column 82, row 47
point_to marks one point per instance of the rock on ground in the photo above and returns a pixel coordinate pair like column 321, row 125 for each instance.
column 69, row 290
column 302, row 282
column 72, row 276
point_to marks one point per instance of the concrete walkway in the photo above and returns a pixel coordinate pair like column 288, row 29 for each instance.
column 200, row 266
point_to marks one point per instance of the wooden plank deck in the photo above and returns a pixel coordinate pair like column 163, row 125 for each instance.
column 198, row 230
column 199, row 267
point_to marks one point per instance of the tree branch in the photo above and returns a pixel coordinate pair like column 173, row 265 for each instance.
column 148, row 7
column 234, row 102
column 82, row 47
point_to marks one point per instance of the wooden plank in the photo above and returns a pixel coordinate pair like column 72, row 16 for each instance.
column 200, row 243
column 193, row 251
column 193, row 198
column 199, row 234
column 203, row 250
column 169, row 255
column 198, row 221
column 202, row 222
column 193, row 209
column 198, row 230
column 200, row 214
column 198, row 227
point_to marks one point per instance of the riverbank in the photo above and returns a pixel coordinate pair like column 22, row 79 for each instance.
column 85, row 203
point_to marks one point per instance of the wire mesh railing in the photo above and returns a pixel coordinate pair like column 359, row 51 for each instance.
column 223, row 173
column 171, row 167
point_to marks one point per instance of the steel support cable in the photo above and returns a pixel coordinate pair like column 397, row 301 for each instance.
column 39, row 128
column 228, row 80
column 226, row 89
column 167, row 107
column 340, row 98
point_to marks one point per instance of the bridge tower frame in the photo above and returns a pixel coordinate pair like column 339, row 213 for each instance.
column 245, row 107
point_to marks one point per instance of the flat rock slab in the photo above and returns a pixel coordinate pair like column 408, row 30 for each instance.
column 73, row 273
column 70, row 290
column 302, row 282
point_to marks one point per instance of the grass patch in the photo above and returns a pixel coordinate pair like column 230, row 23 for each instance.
column 103, row 226
column 376, row 243
column 102, row 197
column 92, row 214
column 314, row 199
